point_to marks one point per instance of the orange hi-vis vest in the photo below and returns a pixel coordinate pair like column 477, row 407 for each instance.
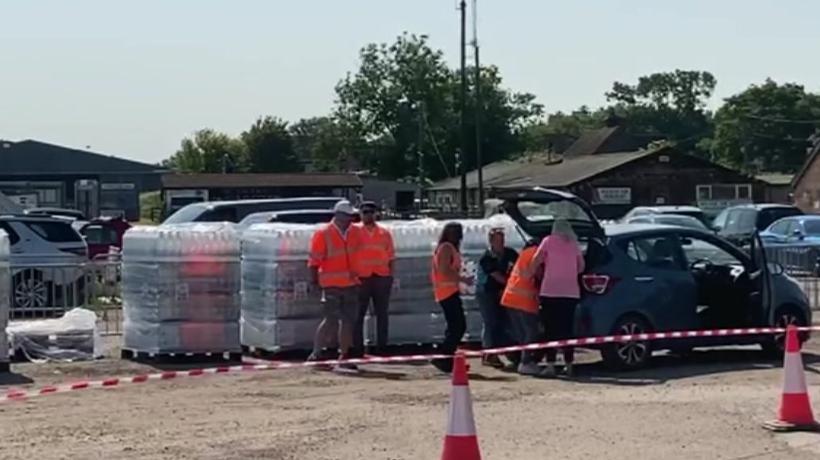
column 521, row 292
column 375, row 252
column 444, row 286
column 335, row 256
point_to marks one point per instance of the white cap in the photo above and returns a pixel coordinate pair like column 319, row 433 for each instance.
column 344, row 207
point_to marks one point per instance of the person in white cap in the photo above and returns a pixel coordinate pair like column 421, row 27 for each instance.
column 333, row 255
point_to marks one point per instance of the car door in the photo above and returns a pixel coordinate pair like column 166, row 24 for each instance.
column 663, row 289
column 761, row 295
column 777, row 234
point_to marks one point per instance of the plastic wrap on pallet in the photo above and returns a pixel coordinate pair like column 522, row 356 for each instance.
column 280, row 308
column 5, row 296
column 181, row 289
column 73, row 337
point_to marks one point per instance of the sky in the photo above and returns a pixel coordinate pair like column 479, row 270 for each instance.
column 132, row 79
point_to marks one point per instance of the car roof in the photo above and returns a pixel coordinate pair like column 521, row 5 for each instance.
column 31, row 218
column 671, row 208
column 619, row 230
column 208, row 204
column 762, row 206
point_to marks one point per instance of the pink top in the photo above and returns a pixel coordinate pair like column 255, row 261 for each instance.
column 563, row 261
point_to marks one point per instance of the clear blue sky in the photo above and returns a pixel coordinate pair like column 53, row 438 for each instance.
column 133, row 78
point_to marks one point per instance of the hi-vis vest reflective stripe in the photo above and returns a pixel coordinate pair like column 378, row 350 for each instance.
column 444, row 287
column 521, row 292
column 336, row 262
column 374, row 252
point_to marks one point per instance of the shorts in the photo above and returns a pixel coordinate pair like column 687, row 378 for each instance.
column 341, row 304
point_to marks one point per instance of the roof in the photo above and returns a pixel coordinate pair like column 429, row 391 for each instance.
column 815, row 150
column 9, row 207
column 176, row 181
column 31, row 157
column 776, row 178
column 609, row 139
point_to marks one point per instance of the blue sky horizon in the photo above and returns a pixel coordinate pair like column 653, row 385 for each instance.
column 132, row 80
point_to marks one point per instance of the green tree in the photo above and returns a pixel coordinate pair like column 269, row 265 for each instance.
column 270, row 147
column 404, row 99
column 209, row 151
column 323, row 142
column 561, row 129
column 766, row 127
column 668, row 105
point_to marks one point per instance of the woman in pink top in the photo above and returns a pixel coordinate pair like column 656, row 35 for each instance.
column 562, row 263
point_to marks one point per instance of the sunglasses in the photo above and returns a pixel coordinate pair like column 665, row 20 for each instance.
column 368, row 211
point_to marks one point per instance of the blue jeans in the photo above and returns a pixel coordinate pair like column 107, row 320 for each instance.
column 528, row 330
column 497, row 325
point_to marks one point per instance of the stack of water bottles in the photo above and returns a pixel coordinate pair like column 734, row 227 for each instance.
column 181, row 289
column 280, row 307
column 5, row 287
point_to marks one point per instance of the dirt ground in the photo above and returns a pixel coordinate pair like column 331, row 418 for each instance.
column 708, row 406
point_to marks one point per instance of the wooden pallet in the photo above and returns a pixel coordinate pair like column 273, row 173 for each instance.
column 183, row 358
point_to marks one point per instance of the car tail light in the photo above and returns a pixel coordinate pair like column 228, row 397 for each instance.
column 597, row 284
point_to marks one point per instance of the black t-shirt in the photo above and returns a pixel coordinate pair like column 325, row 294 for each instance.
column 490, row 263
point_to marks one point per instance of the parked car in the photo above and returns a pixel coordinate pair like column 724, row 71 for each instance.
column 794, row 242
column 691, row 211
column 47, row 255
column 676, row 220
column 302, row 216
column 235, row 211
column 104, row 234
column 70, row 214
column 739, row 223
column 645, row 277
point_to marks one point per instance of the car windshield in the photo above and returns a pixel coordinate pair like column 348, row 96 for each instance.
column 187, row 214
column 811, row 227
column 540, row 212
column 681, row 221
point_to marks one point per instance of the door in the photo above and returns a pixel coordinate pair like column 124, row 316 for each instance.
column 761, row 297
column 662, row 287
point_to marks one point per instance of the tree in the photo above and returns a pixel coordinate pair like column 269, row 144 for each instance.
column 209, row 151
column 766, row 127
column 668, row 105
column 403, row 103
column 270, row 147
column 561, row 129
column 323, row 142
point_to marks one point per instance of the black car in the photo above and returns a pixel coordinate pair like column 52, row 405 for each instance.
column 235, row 211
column 738, row 223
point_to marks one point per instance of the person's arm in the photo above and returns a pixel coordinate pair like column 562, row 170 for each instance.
column 489, row 267
column 317, row 254
column 541, row 253
column 581, row 262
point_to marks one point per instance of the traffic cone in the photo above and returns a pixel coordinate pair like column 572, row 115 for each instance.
column 795, row 408
column 461, row 441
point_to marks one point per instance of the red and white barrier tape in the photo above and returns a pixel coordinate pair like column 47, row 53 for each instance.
column 261, row 365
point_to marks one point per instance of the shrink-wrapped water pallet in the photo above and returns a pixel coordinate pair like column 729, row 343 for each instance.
column 181, row 289
column 5, row 299
column 280, row 308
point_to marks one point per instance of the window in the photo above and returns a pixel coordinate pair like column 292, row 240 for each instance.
column 767, row 216
column 56, row 232
column 656, row 252
column 697, row 249
column 724, row 192
column 98, row 234
column 552, row 210
column 220, row 214
column 780, row 228
column 13, row 236
column 811, row 227
column 741, row 221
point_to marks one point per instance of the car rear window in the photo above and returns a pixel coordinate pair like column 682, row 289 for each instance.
column 767, row 216
column 98, row 234
column 56, row 232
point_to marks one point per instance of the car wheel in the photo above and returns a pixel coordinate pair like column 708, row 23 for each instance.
column 783, row 317
column 30, row 291
column 628, row 355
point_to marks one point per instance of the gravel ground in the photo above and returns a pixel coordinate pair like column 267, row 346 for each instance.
column 708, row 406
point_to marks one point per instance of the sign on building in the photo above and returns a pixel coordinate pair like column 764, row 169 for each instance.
column 613, row 195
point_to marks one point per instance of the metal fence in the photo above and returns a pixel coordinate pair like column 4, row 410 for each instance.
column 801, row 263
column 41, row 291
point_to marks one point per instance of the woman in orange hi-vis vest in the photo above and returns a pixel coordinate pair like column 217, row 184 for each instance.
column 521, row 298
column 446, row 276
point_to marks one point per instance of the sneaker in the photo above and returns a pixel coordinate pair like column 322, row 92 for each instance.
column 346, row 368
column 569, row 370
column 492, row 361
column 548, row 372
column 319, row 367
column 530, row 369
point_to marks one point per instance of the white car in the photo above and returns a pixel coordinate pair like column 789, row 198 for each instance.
column 47, row 258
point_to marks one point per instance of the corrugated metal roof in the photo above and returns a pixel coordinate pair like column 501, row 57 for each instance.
column 34, row 158
column 204, row 181
column 776, row 178
column 538, row 171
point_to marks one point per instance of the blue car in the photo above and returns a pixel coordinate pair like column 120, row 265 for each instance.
column 648, row 277
column 794, row 242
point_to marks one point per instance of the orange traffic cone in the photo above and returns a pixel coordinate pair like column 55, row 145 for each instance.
column 461, row 442
column 795, row 408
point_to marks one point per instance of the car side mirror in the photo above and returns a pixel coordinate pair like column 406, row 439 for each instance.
column 686, row 241
column 776, row 269
column 798, row 233
column 717, row 228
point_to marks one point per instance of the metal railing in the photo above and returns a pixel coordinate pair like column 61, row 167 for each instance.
column 800, row 262
column 41, row 291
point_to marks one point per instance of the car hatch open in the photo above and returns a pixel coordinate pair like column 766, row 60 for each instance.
column 536, row 209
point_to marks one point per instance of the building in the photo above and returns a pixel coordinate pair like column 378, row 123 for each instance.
column 390, row 194
column 806, row 183
column 778, row 187
column 179, row 190
column 37, row 174
column 618, row 181
column 9, row 207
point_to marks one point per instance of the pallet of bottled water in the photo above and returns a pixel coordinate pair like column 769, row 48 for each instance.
column 181, row 289
column 281, row 309
column 5, row 299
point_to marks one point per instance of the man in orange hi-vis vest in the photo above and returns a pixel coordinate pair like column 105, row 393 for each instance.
column 376, row 256
column 521, row 298
column 333, row 255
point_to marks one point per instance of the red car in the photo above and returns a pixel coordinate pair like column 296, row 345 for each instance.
column 103, row 233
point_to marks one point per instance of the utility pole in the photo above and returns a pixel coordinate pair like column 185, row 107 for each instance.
column 478, row 108
column 420, row 143
column 463, row 103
